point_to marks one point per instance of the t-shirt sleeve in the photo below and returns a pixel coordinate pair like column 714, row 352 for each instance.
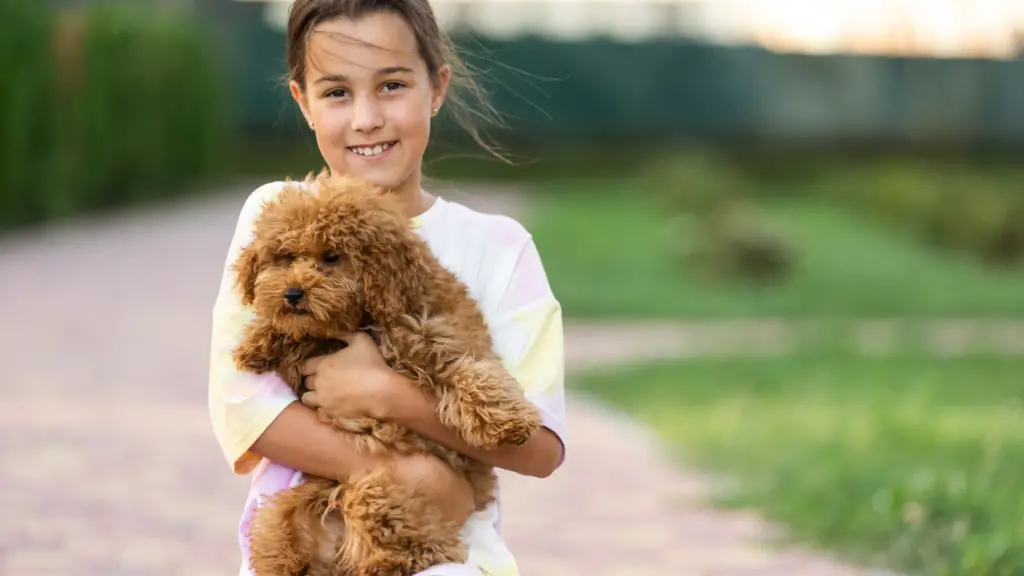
column 242, row 404
column 528, row 335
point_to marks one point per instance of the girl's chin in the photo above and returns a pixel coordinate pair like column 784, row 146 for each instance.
column 391, row 173
column 387, row 178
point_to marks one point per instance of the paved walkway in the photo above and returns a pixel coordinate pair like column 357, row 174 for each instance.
column 109, row 466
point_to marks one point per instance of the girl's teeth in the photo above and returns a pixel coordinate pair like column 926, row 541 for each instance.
column 372, row 151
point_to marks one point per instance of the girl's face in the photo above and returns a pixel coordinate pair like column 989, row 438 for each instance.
column 369, row 98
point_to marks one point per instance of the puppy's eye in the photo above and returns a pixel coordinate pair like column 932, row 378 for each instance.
column 331, row 257
column 286, row 258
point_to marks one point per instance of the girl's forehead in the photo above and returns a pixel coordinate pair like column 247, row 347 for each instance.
column 372, row 42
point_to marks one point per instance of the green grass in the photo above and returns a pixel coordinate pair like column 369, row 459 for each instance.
column 606, row 255
column 912, row 463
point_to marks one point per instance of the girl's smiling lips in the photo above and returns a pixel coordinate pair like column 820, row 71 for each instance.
column 373, row 151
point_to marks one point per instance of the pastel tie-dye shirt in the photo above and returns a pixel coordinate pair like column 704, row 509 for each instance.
column 496, row 258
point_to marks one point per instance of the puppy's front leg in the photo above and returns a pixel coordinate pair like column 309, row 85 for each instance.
column 477, row 397
column 264, row 349
column 485, row 404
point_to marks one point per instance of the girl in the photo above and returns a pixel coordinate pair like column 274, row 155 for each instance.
column 368, row 76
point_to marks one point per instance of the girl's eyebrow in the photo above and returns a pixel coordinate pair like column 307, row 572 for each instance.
column 394, row 70
column 382, row 72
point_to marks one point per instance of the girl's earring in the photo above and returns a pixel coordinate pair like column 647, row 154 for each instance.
column 311, row 126
column 434, row 111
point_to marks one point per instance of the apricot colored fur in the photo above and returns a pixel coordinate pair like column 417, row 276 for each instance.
column 362, row 267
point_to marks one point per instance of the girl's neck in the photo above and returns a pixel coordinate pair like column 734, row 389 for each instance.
column 412, row 199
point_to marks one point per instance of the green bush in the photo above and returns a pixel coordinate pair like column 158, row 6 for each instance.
column 973, row 210
column 695, row 183
column 737, row 242
column 715, row 228
column 27, row 97
column 127, row 108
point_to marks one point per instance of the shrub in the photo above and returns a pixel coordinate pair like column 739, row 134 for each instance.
column 736, row 242
column 120, row 105
column 715, row 228
column 695, row 183
column 973, row 210
column 26, row 101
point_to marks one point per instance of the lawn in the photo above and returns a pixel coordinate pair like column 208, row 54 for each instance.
column 913, row 463
column 605, row 252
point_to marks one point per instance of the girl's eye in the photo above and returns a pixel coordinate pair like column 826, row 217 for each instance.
column 336, row 93
column 393, row 86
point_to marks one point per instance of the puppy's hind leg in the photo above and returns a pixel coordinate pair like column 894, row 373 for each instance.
column 395, row 530
column 287, row 532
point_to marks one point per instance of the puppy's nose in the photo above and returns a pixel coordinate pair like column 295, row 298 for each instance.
column 293, row 295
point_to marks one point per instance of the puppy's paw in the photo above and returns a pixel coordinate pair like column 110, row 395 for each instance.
column 253, row 359
column 386, row 565
column 521, row 426
column 493, row 427
column 261, row 348
column 514, row 426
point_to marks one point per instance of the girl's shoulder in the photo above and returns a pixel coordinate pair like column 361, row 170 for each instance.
column 472, row 224
column 261, row 195
column 483, row 249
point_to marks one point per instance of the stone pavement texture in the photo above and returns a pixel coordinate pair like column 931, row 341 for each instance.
column 109, row 466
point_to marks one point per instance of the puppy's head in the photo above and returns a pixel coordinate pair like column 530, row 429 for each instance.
column 331, row 260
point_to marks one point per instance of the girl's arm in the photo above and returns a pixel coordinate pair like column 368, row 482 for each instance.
column 297, row 439
column 540, row 456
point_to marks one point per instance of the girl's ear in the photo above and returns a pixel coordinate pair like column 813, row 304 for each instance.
column 444, row 76
column 300, row 97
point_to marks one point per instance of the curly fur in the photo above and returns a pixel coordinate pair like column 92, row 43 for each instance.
column 360, row 266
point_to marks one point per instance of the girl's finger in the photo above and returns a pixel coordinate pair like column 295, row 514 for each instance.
column 310, row 399
column 310, row 366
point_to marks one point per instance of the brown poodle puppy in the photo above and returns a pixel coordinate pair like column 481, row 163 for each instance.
column 342, row 259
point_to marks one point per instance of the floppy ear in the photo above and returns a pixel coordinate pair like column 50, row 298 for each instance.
column 393, row 270
column 245, row 269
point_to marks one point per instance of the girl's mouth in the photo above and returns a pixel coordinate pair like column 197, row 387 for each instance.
column 374, row 151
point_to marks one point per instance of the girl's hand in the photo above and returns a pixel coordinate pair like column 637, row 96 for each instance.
column 354, row 382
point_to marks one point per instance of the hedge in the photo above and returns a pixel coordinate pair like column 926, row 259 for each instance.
column 961, row 206
column 975, row 210
column 108, row 105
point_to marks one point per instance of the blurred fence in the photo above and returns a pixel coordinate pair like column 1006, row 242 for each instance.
column 598, row 88
column 116, row 104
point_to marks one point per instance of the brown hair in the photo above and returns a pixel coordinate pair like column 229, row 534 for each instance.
column 434, row 48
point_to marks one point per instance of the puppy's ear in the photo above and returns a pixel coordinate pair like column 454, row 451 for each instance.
column 393, row 269
column 246, row 268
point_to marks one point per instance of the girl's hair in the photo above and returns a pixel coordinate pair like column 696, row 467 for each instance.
column 434, row 48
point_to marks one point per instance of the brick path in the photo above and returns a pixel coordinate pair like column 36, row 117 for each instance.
column 109, row 466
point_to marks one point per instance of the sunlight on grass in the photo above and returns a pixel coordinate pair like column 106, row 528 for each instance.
column 914, row 463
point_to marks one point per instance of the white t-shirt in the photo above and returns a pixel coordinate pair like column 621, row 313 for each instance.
column 496, row 258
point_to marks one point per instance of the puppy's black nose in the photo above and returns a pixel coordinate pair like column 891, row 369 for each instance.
column 293, row 295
